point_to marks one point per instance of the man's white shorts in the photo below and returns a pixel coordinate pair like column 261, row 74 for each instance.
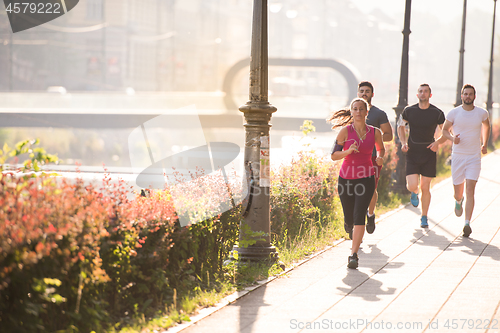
column 465, row 167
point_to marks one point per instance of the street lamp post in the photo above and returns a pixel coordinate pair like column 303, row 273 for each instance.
column 257, row 113
column 11, row 62
column 400, row 185
column 104, row 64
column 489, row 102
column 460, row 82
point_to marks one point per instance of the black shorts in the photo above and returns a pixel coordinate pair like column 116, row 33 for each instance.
column 355, row 196
column 421, row 163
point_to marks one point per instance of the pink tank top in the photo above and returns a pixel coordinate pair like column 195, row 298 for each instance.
column 358, row 165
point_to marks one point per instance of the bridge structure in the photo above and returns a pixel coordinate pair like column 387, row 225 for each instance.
column 118, row 110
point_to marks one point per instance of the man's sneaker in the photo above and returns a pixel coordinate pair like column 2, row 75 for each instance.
column 348, row 229
column 467, row 230
column 370, row 223
column 458, row 207
column 352, row 261
column 414, row 199
column 423, row 222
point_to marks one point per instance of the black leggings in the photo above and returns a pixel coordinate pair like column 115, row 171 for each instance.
column 355, row 196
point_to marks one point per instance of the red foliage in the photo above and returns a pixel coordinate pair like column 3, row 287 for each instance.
column 39, row 213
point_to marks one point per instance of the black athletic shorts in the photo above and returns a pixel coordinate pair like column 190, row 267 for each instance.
column 421, row 163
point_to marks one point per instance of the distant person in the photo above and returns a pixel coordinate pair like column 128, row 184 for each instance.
column 471, row 128
column 423, row 118
column 376, row 118
column 356, row 183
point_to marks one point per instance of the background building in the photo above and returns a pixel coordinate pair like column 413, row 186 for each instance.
column 133, row 55
column 188, row 45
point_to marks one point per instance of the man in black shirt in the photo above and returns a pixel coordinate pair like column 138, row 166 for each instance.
column 376, row 118
column 423, row 119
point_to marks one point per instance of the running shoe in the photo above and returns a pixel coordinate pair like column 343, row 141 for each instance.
column 467, row 230
column 352, row 261
column 458, row 207
column 348, row 229
column 370, row 223
column 423, row 222
column 414, row 199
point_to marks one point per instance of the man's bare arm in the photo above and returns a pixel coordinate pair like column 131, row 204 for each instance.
column 386, row 132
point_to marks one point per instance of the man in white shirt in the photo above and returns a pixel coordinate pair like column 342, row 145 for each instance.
column 471, row 129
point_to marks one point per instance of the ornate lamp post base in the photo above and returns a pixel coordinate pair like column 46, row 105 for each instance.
column 256, row 253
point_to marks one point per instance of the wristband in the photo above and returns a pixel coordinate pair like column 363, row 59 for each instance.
column 337, row 147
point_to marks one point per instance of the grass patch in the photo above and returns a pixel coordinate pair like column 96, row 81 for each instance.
column 390, row 202
column 177, row 312
column 237, row 276
column 315, row 237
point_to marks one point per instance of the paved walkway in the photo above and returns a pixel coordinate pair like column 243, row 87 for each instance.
column 409, row 280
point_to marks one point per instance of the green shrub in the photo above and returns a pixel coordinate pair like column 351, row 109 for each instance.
column 301, row 195
column 386, row 179
column 495, row 132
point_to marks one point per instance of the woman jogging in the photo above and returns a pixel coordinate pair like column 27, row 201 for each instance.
column 356, row 183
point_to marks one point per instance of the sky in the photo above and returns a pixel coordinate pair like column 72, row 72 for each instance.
column 437, row 7
column 435, row 43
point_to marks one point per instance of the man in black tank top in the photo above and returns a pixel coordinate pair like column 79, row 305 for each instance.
column 423, row 118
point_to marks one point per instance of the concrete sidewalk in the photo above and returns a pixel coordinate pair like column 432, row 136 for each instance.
column 409, row 279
